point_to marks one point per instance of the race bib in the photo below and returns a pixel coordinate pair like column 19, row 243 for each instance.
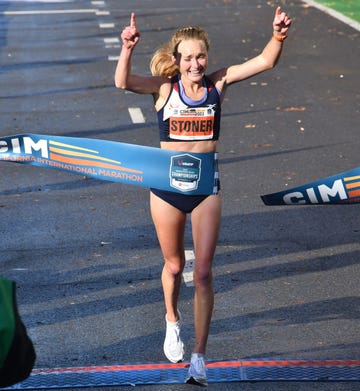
column 192, row 123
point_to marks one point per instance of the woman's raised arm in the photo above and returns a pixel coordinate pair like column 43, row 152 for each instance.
column 124, row 78
column 267, row 59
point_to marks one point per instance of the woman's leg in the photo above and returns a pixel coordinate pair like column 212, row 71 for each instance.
column 170, row 225
column 205, row 220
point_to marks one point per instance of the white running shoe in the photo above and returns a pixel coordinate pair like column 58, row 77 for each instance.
column 173, row 345
column 197, row 370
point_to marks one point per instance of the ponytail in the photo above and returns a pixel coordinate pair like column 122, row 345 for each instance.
column 162, row 63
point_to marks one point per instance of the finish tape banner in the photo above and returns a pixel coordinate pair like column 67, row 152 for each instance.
column 342, row 188
column 182, row 172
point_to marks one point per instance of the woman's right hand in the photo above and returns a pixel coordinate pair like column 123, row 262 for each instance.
column 130, row 36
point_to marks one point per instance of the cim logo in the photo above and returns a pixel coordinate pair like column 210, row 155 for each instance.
column 342, row 190
column 321, row 193
column 24, row 145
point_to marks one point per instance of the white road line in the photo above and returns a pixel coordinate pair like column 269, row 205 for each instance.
column 189, row 267
column 98, row 3
column 113, row 58
column 102, row 13
column 110, row 40
column 136, row 115
column 41, row 1
column 106, row 25
column 42, row 12
column 335, row 14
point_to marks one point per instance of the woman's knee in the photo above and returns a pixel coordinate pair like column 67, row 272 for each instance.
column 202, row 277
column 174, row 266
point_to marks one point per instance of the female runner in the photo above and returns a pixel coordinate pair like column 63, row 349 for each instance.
column 180, row 87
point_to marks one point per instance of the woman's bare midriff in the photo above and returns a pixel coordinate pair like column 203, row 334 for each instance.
column 202, row 146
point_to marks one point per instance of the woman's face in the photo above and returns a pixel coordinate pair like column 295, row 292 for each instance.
column 192, row 59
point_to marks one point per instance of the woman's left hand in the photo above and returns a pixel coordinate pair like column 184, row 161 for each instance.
column 281, row 21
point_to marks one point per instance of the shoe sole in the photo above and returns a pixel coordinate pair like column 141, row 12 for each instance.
column 200, row 382
column 175, row 360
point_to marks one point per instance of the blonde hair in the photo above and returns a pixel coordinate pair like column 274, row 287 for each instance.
column 162, row 63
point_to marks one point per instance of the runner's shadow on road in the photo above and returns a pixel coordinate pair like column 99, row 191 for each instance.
column 244, row 239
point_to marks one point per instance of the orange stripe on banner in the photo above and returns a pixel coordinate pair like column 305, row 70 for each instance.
column 354, row 193
column 352, row 185
column 82, row 154
column 82, row 162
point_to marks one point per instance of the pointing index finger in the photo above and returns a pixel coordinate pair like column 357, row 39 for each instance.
column 132, row 20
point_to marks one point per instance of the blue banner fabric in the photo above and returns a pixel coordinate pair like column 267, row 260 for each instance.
column 181, row 172
column 342, row 188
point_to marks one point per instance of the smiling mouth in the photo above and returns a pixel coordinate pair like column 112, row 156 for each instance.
column 196, row 73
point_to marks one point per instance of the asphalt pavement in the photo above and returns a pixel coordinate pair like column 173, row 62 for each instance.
column 84, row 252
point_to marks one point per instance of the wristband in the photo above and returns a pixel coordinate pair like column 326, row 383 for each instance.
column 280, row 38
